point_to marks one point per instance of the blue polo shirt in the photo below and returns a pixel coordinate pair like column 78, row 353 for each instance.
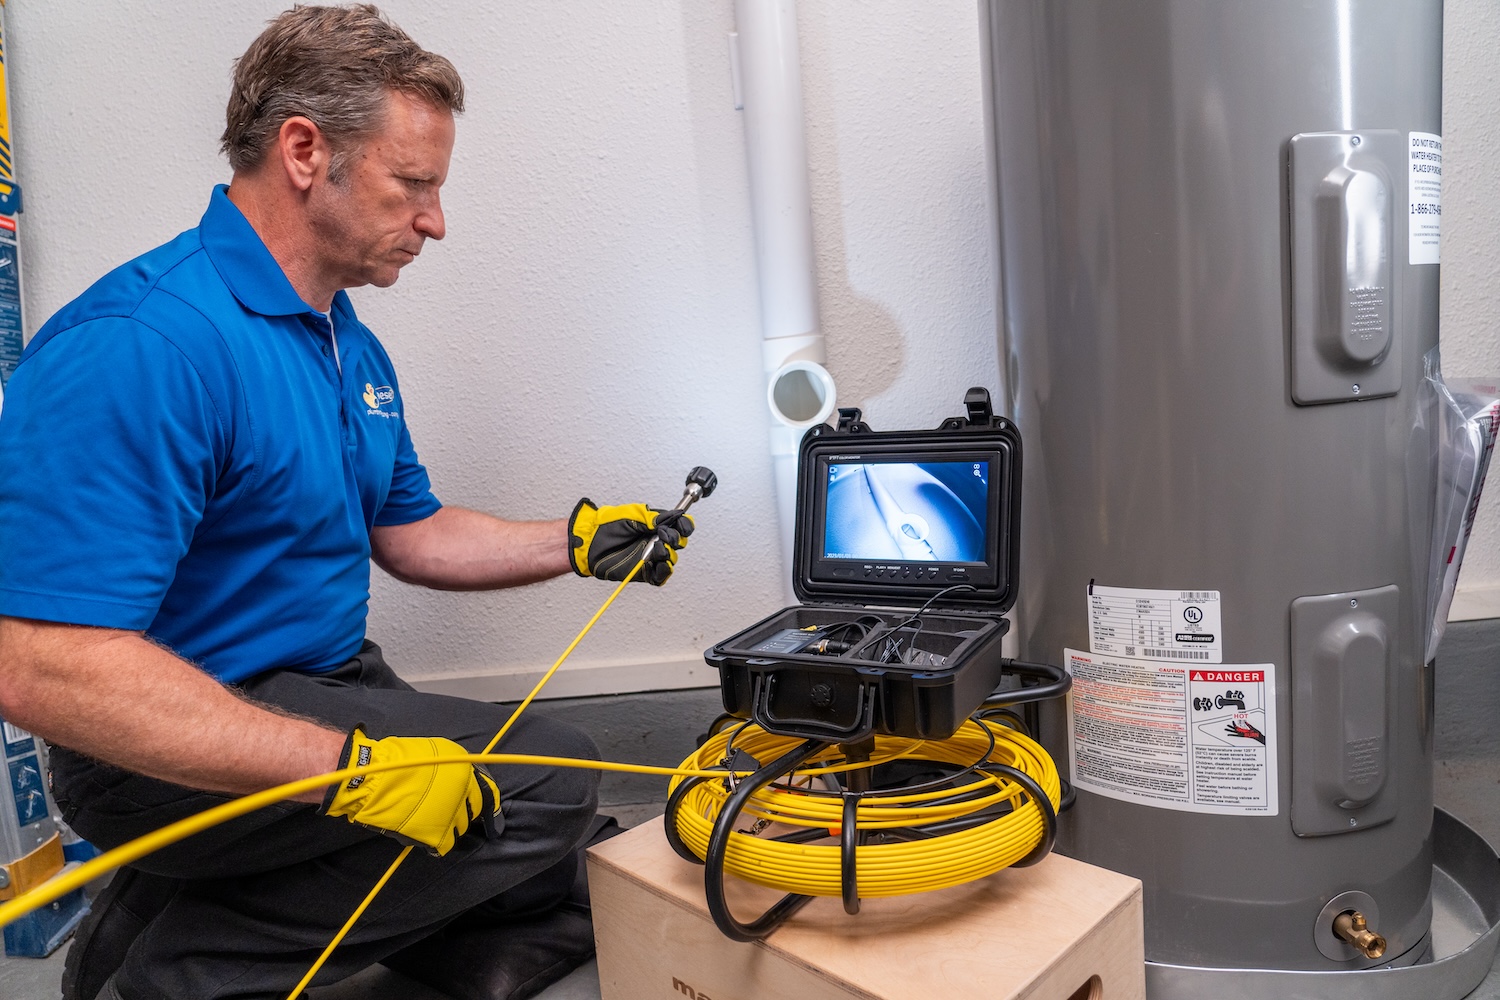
column 183, row 452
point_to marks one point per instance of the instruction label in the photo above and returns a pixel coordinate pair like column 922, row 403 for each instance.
column 26, row 789
column 1182, row 625
column 1425, row 195
column 1196, row 739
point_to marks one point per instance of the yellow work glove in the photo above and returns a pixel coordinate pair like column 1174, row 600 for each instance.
column 432, row 805
column 607, row 542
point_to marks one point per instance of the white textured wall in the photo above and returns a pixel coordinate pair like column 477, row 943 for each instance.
column 590, row 324
column 1471, row 251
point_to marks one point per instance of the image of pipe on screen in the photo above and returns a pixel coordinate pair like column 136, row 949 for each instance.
column 919, row 511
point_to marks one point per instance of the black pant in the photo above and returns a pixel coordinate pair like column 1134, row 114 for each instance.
column 266, row 893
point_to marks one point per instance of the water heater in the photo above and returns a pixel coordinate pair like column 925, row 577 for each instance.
column 1217, row 241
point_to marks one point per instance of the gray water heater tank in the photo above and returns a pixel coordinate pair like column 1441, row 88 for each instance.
column 1219, row 278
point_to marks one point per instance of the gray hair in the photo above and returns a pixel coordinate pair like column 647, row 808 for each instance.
column 335, row 66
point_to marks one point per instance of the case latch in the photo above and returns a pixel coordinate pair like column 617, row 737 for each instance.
column 850, row 421
column 981, row 412
column 977, row 402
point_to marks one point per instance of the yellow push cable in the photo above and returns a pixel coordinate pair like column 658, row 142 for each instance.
column 65, row 882
column 375, row 890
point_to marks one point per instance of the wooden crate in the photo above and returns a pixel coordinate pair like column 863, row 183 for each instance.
column 1060, row 930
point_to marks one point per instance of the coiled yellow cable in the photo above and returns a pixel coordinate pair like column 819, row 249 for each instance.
column 884, row 869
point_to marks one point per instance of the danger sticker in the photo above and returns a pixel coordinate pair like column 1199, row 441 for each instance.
column 1218, row 676
column 1171, row 736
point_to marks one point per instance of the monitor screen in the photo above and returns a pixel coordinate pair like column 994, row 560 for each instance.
column 912, row 512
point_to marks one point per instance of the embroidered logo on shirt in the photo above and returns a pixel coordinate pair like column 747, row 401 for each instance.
column 378, row 397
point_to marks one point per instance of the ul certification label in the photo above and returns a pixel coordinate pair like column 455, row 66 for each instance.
column 1198, row 739
column 1425, row 196
column 1156, row 624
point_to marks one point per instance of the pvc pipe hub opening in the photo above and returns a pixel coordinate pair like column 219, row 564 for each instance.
column 801, row 394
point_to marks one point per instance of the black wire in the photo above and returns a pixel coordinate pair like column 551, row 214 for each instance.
column 892, row 651
column 1011, row 716
column 841, row 633
column 841, row 637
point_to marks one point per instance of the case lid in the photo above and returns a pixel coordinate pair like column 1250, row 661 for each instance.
column 895, row 518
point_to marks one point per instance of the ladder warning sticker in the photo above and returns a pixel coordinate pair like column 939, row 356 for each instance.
column 1182, row 625
column 10, row 300
column 1198, row 739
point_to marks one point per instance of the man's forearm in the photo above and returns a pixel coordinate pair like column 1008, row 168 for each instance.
column 119, row 698
column 459, row 549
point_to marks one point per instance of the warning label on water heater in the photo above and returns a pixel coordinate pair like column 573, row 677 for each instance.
column 1425, row 197
column 1181, row 625
column 1199, row 739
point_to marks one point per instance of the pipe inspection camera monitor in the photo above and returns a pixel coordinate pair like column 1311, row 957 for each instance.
column 902, row 516
column 905, row 518
column 905, row 559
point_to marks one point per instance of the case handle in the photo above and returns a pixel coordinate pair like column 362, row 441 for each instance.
column 862, row 726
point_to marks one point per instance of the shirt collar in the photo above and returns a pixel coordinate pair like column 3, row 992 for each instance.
column 243, row 261
column 342, row 310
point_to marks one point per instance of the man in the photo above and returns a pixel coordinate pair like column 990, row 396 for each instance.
column 198, row 458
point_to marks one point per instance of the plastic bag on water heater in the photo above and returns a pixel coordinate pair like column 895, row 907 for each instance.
column 1465, row 422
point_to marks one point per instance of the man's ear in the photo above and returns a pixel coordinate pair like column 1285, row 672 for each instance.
column 304, row 151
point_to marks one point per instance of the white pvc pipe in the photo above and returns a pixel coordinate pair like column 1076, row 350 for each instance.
column 765, row 59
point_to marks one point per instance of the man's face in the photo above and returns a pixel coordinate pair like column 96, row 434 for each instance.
column 372, row 221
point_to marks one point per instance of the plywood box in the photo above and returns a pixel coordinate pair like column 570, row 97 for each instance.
column 1060, row 930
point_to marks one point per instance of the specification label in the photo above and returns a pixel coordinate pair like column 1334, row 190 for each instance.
column 1183, row 625
column 1425, row 196
column 1198, row 739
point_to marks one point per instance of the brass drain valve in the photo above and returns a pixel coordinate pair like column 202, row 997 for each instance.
column 1350, row 926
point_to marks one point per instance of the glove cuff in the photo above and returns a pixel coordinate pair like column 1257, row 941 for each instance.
column 344, row 756
column 576, row 544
